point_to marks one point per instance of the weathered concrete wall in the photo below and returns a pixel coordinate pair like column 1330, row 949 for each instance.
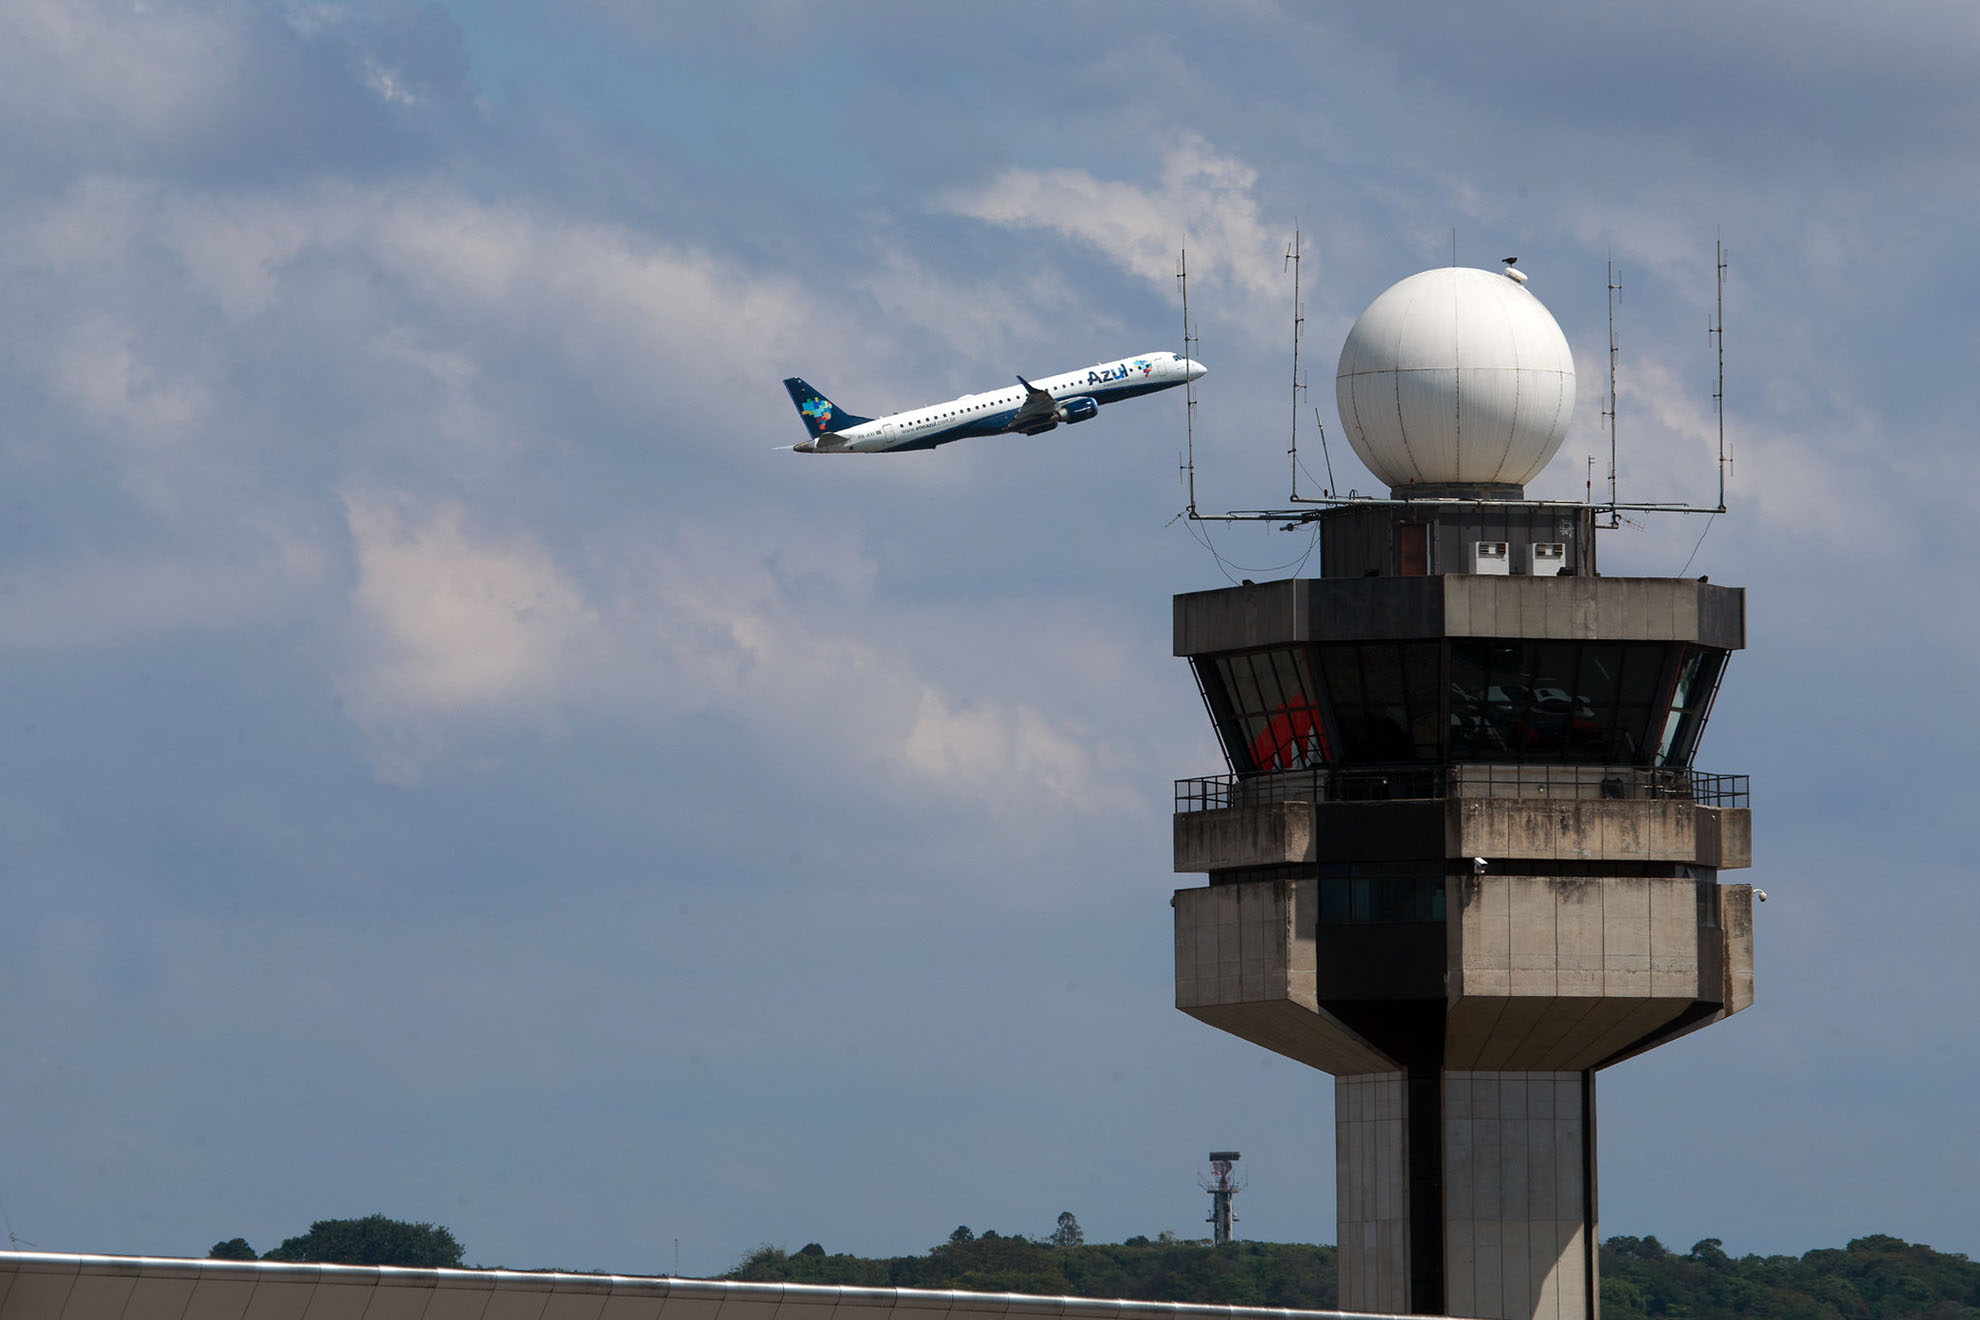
column 1371, row 1192
column 1550, row 973
column 1245, row 964
column 1725, row 837
column 1459, row 605
column 1736, row 986
column 1267, row 835
column 1502, row 828
column 1595, row 609
column 1619, row 831
column 1240, row 618
column 1518, row 1222
column 1736, row 920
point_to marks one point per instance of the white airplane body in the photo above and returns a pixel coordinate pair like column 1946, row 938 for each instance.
column 1033, row 407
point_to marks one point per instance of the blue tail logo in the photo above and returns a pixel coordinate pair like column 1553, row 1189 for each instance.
column 821, row 415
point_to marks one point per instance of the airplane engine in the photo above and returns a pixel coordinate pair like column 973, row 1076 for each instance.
column 1078, row 409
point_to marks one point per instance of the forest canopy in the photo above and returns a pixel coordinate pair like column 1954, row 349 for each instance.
column 1873, row 1278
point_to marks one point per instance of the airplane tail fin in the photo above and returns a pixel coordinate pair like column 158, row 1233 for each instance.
column 821, row 415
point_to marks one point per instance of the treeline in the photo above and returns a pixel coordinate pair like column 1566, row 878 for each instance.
column 1161, row 1270
column 372, row 1240
column 1873, row 1278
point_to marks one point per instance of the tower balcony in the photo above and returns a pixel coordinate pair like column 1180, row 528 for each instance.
column 1231, row 825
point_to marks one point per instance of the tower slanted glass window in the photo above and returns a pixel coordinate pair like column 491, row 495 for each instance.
column 1385, row 699
column 1270, row 718
column 1470, row 699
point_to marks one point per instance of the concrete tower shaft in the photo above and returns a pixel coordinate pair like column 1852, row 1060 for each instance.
column 1462, row 861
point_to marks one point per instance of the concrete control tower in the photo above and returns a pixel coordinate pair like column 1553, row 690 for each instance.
column 1462, row 860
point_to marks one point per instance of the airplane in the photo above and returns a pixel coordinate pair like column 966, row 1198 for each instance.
column 1034, row 408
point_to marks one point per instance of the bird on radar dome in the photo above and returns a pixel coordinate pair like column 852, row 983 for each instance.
column 1456, row 383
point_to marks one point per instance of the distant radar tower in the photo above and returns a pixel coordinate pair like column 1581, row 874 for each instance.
column 1222, row 1189
column 1461, row 859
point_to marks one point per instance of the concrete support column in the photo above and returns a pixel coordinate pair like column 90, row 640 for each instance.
column 1371, row 1192
column 1501, row 1224
column 1519, row 1200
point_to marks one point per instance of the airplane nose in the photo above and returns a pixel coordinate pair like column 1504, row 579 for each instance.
column 1196, row 369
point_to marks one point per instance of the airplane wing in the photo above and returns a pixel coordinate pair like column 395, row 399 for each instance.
column 1038, row 412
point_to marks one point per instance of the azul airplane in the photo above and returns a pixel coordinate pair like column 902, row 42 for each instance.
column 1037, row 406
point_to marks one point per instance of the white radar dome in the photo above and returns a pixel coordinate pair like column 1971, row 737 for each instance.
column 1456, row 379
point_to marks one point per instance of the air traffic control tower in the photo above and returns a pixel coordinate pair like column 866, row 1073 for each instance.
column 1462, row 860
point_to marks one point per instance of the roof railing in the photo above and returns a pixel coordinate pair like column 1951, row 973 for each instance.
column 1417, row 782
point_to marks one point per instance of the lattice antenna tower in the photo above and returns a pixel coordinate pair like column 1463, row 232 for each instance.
column 1223, row 1189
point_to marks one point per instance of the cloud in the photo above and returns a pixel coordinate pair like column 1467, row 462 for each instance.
column 788, row 635
column 445, row 622
column 453, row 630
column 154, row 73
column 611, row 301
column 978, row 319
column 219, row 351
column 103, row 600
column 388, row 83
column 100, row 369
column 1202, row 199
column 1007, row 752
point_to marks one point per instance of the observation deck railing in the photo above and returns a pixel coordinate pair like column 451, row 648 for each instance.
column 1407, row 782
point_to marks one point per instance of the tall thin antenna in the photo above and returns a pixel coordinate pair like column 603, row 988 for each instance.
column 1292, row 260
column 1717, row 331
column 1301, row 511
column 1615, row 289
column 1322, row 425
column 1189, row 386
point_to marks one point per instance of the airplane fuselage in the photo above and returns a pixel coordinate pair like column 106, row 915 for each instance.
column 1026, row 408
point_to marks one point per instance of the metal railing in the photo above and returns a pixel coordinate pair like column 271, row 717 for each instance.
column 1412, row 782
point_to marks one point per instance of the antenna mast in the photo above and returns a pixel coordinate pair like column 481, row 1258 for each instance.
column 1718, row 335
column 1302, row 511
column 1299, row 387
column 1189, row 386
column 1615, row 288
column 1292, row 260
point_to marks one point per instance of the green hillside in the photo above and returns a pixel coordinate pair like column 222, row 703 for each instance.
column 1873, row 1278
column 1244, row 1274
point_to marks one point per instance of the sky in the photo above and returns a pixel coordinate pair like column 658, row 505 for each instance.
column 455, row 767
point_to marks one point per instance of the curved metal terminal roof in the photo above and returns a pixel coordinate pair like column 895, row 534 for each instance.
column 42, row 1285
